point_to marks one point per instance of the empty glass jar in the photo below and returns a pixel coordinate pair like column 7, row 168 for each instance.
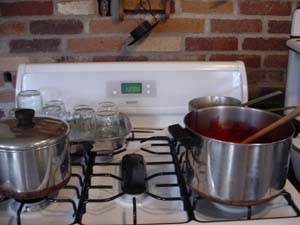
column 107, row 119
column 30, row 99
column 83, row 125
column 52, row 110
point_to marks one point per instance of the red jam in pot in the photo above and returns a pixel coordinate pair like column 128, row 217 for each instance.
column 232, row 132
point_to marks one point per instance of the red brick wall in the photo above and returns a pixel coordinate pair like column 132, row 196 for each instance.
column 38, row 31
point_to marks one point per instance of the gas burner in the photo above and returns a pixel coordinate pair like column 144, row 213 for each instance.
column 29, row 205
column 37, row 206
column 80, row 148
column 32, row 205
column 127, row 199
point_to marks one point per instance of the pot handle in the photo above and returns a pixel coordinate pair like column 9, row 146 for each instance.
column 296, row 124
column 182, row 135
column 24, row 117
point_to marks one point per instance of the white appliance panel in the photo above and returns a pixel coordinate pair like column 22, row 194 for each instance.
column 174, row 83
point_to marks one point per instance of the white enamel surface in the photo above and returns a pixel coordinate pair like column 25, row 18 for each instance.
column 294, row 44
column 295, row 157
column 176, row 83
column 292, row 94
column 296, row 24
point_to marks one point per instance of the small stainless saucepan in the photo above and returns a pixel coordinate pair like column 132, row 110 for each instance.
column 209, row 101
column 34, row 155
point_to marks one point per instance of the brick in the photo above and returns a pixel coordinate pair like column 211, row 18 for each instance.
column 2, row 114
column 264, row 44
column 135, row 4
column 34, row 45
column 2, row 82
column 276, row 61
column 68, row 26
column 279, row 27
column 95, row 44
column 108, row 26
column 266, row 76
column 10, row 63
column 211, row 44
column 62, row 59
column 177, row 57
column 159, row 44
column 181, row 25
column 236, row 26
column 249, row 60
column 276, row 77
column 28, row 8
column 207, row 7
column 119, row 58
column 275, row 8
column 12, row 27
column 7, row 96
column 83, row 7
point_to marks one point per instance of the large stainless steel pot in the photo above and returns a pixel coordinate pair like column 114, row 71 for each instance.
column 34, row 156
column 232, row 173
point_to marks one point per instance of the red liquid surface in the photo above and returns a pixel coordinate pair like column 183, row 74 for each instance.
column 232, row 132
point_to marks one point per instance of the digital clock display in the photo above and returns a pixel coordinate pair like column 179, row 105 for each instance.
column 131, row 88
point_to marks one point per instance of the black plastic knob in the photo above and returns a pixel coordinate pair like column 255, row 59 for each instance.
column 24, row 117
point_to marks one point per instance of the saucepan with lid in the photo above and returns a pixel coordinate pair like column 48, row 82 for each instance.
column 34, row 155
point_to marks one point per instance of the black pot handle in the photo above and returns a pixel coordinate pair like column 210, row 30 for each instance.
column 296, row 124
column 182, row 135
column 24, row 117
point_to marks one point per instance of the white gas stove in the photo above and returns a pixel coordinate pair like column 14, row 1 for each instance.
column 156, row 96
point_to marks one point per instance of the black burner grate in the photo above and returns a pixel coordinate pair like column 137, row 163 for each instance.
column 90, row 174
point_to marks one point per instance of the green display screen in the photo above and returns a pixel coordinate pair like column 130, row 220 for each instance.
column 131, row 88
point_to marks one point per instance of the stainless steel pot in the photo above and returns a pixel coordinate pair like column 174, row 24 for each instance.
column 210, row 101
column 232, row 173
column 34, row 156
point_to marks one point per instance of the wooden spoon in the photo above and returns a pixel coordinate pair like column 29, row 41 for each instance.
column 272, row 126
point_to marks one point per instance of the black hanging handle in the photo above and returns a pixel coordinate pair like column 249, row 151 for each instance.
column 182, row 135
column 24, row 117
column 296, row 124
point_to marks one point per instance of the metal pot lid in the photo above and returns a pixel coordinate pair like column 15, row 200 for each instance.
column 28, row 132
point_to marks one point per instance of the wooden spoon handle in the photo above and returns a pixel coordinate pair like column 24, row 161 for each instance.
column 272, row 126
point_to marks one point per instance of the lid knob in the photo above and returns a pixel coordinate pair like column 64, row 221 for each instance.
column 24, row 117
